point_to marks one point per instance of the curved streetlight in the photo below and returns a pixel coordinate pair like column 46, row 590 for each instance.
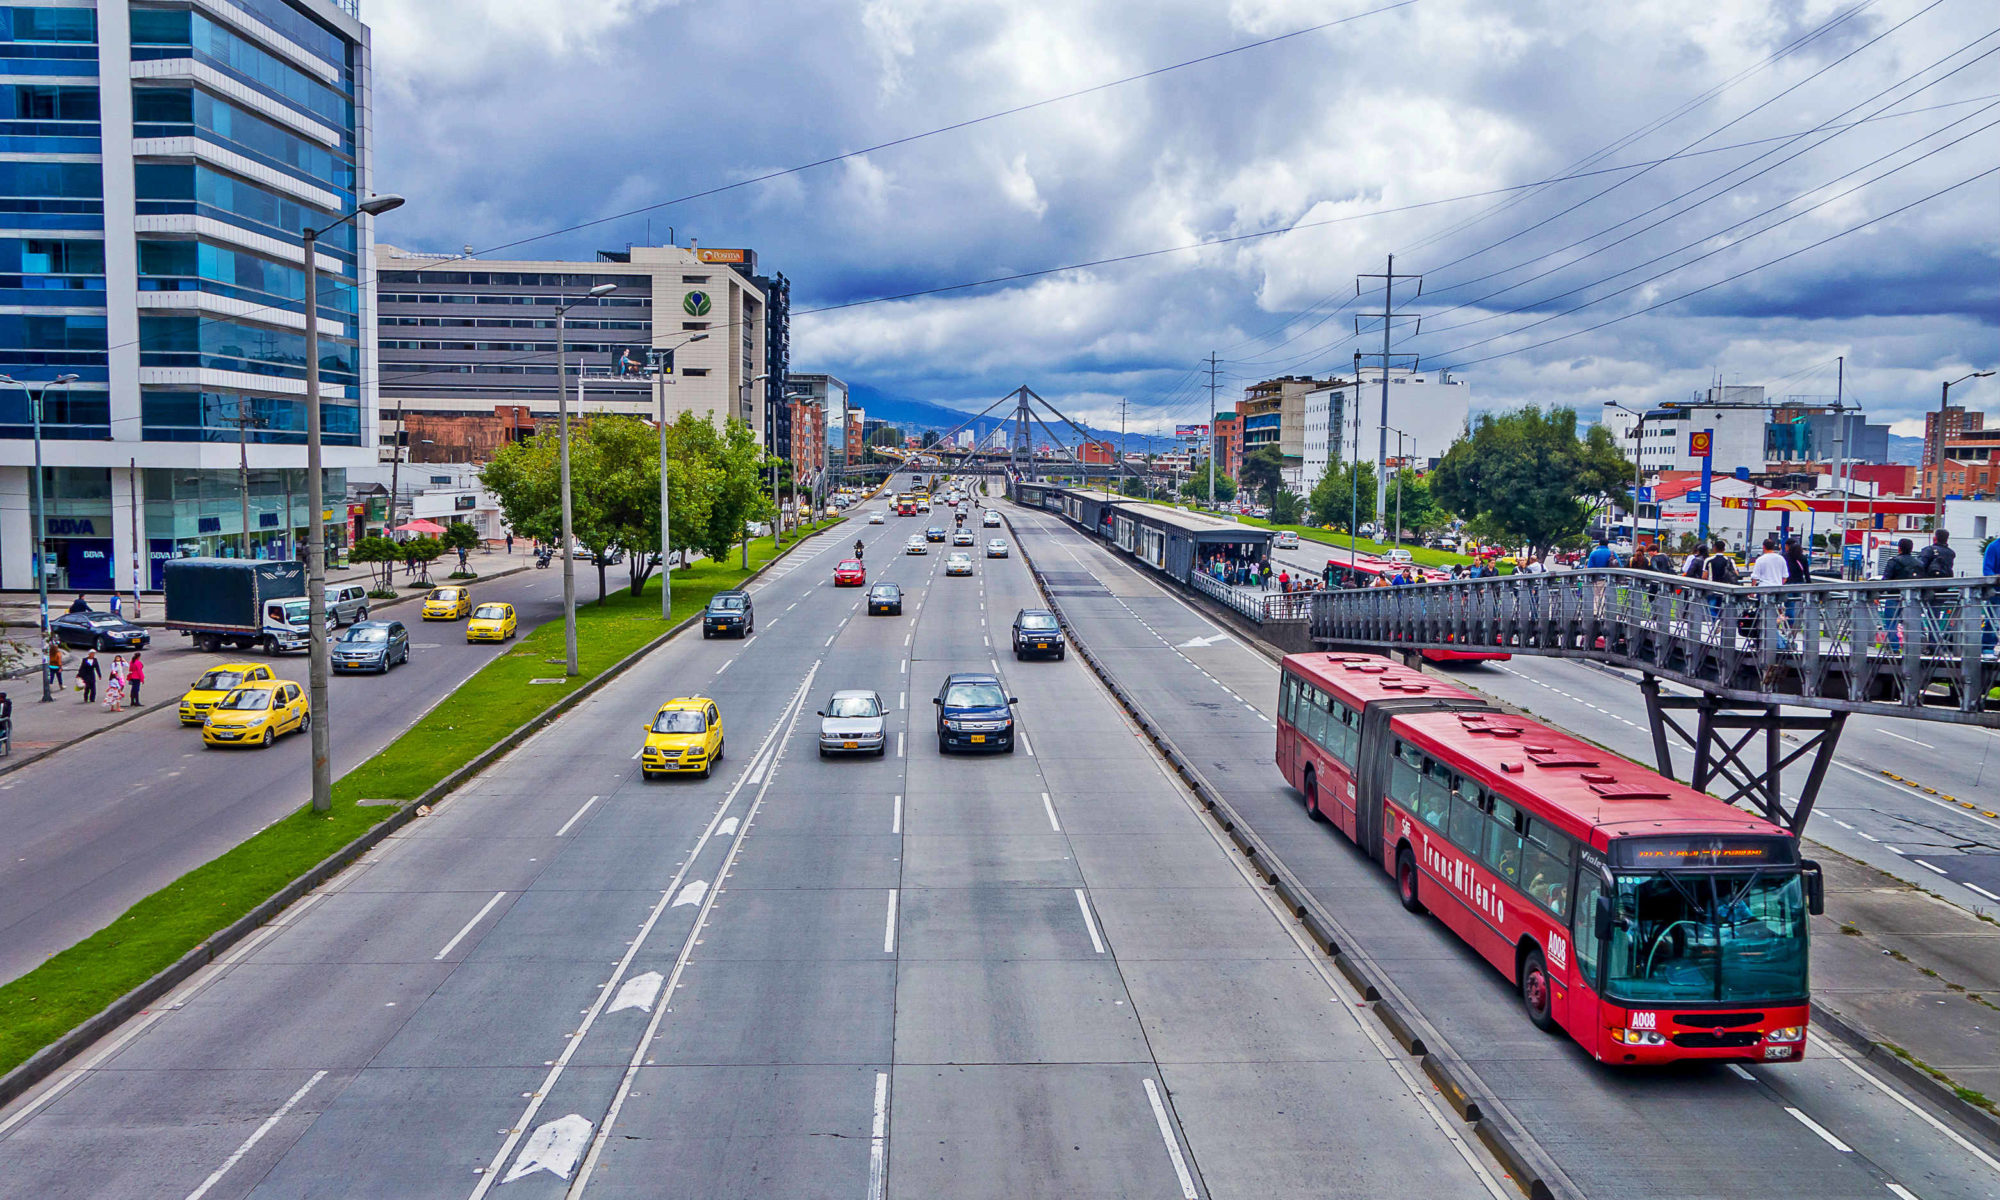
column 41, row 570
column 1944, row 400
column 318, row 667
column 562, row 418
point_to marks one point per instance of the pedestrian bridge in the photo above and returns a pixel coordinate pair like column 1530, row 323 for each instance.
column 1905, row 649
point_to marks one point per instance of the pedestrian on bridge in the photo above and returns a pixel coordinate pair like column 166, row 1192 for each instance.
column 1903, row 566
column 1990, row 567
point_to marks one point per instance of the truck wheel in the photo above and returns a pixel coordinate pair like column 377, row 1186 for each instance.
column 270, row 645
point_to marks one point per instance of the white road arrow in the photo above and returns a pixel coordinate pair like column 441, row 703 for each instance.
column 639, row 992
column 727, row 828
column 692, row 893
column 554, row 1147
column 1202, row 643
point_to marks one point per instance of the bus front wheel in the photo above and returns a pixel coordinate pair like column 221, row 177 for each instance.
column 1535, row 995
column 1406, row 880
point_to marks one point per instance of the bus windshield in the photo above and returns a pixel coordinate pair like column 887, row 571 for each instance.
column 1692, row 936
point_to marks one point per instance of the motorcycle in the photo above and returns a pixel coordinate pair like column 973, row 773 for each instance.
column 542, row 558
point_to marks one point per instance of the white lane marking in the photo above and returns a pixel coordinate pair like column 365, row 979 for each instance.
column 902, row 700
column 1973, row 887
column 1871, row 837
column 899, row 745
column 578, row 815
column 995, row 664
column 1050, row 808
column 1821, row 1130
column 836, row 633
column 635, row 754
column 254, row 1138
column 727, row 828
column 1089, row 922
column 639, row 992
column 1928, row 867
column 905, row 668
column 725, row 666
column 477, row 917
column 896, row 816
column 692, row 893
column 1898, row 1189
column 889, row 927
column 1899, row 737
column 1841, row 823
column 1740, row 1073
column 878, row 1145
column 1023, row 735
column 1895, row 849
column 906, row 638
column 1173, row 1143
column 554, row 1148
column 604, row 994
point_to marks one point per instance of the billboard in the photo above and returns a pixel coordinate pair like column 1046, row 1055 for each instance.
column 1700, row 443
column 629, row 362
column 1191, row 431
column 718, row 254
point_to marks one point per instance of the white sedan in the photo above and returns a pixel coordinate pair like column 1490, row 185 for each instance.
column 916, row 545
column 996, row 549
column 876, row 518
column 958, row 564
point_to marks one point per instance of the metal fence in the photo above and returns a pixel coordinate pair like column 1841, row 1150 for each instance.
column 1924, row 648
column 1255, row 603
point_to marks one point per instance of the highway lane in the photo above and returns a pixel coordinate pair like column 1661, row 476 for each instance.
column 1691, row 1130
column 1035, row 974
column 103, row 823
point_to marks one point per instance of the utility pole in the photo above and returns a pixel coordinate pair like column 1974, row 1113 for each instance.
column 1388, row 319
column 1840, row 453
column 1354, row 471
column 1124, row 439
column 395, row 470
column 243, row 421
column 1211, row 429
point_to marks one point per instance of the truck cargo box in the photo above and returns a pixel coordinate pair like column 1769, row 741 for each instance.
column 227, row 593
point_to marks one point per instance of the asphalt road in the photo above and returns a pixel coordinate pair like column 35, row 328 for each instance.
column 1826, row 1127
column 103, row 823
column 1925, row 834
column 1037, row 974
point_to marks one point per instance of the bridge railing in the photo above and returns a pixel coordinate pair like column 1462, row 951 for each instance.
column 1260, row 606
column 1910, row 648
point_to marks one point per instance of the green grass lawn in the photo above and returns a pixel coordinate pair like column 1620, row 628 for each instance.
column 1429, row 558
column 55, row 997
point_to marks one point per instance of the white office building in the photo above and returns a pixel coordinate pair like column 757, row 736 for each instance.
column 151, row 218
column 1666, row 443
column 1431, row 411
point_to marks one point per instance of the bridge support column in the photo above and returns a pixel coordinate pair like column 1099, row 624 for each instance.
column 1724, row 743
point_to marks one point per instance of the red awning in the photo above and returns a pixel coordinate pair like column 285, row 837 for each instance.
column 420, row 526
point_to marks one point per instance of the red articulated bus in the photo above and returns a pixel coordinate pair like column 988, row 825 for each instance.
column 1650, row 921
column 1362, row 572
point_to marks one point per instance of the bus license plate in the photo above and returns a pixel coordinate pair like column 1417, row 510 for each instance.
column 850, row 745
column 978, row 737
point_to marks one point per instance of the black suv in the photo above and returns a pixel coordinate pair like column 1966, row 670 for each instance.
column 1036, row 631
column 729, row 612
column 974, row 712
column 934, row 534
column 885, row 598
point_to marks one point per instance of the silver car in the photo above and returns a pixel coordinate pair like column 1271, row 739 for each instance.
column 996, row 549
column 853, row 722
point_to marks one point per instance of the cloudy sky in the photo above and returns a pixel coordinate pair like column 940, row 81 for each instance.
column 1783, row 123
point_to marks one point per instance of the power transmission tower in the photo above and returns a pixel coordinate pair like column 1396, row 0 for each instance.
column 1388, row 318
column 1211, row 430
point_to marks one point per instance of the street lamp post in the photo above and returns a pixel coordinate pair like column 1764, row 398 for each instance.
column 666, row 567
column 562, row 438
column 1401, row 466
column 1937, row 520
column 318, row 668
column 41, row 570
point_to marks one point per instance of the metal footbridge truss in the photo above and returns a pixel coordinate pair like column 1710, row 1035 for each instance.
column 1921, row 650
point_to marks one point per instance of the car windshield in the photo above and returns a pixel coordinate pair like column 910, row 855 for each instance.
column 1689, row 936
column 854, row 706
column 1037, row 621
column 492, row 612
column 218, row 681
column 448, row 594
column 680, row 720
column 297, row 612
column 726, row 604
column 247, row 699
column 886, row 591
column 852, row 564
column 366, row 633
column 975, row 695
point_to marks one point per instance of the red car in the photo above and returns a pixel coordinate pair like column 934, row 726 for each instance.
column 850, row 573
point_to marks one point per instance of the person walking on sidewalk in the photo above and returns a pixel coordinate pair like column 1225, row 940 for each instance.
column 114, row 685
column 80, row 604
column 136, row 675
column 55, row 665
column 87, row 673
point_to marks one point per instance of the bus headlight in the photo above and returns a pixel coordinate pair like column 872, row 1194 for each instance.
column 1638, row 1037
column 1790, row 1033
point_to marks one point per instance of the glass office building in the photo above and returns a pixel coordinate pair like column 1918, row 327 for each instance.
column 159, row 161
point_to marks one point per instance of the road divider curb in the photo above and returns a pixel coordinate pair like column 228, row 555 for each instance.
column 46, row 1061
column 1526, row 1166
column 1938, row 1093
column 1444, row 1077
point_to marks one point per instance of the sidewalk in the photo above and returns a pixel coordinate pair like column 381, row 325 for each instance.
column 42, row 729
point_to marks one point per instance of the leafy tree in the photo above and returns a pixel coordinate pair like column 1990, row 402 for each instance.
column 1344, row 496
column 1263, row 473
column 737, row 496
column 381, row 555
column 419, row 553
column 1421, row 511
column 1286, row 508
column 1133, row 486
column 1529, row 475
column 1196, row 488
column 462, row 537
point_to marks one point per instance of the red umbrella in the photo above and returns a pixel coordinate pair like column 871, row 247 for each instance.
column 420, row 526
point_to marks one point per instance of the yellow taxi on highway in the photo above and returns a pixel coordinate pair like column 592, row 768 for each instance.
column 257, row 714
column 491, row 622
column 218, row 681
column 685, row 735
column 447, row 603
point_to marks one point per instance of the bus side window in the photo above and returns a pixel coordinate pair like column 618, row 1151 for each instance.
column 1468, row 822
column 1313, row 724
column 1405, row 776
column 1583, row 934
column 1546, row 865
column 1350, row 734
column 1434, row 795
column 1288, row 700
column 1503, row 841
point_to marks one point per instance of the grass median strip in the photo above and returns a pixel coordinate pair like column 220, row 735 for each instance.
column 1428, row 558
column 79, row 982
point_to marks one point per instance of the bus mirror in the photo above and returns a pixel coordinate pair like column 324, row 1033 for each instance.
column 1604, row 918
column 1815, row 882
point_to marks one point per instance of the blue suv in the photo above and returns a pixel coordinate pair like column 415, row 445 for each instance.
column 974, row 712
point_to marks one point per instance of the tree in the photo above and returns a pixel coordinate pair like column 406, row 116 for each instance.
column 737, row 496
column 1421, row 511
column 1285, row 508
column 1133, row 486
column 420, row 553
column 1529, row 474
column 382, row 555
column 1263, row 473
column 462, row 537
column 1196, row 488
column 1344, row 496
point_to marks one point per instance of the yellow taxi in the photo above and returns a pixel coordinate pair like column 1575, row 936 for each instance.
column 447, row 603
column 685, row 735
column 218, row 681
column 491, row 623
column 257, row 714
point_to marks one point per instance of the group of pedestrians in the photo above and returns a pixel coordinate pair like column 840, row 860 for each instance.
column 1236, row 570
column 121, row 680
